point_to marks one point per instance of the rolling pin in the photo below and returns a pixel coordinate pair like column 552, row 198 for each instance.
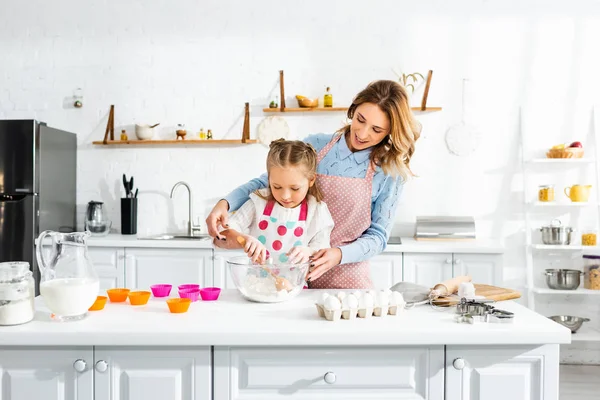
column 450, row 286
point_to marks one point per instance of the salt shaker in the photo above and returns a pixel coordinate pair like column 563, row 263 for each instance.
column 17, row 293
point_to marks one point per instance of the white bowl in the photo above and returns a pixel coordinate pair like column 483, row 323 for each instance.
column 144, row 132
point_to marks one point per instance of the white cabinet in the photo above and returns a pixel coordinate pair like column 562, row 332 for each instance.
column 427, row 269
column 386, row 270
column 34, row 373
column 352, row 373
column 152, row 373
column 500, row 373
column 146, row 267
column 110, row 266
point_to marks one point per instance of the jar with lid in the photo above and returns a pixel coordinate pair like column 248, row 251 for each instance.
column 591, row 269
column 589, row 237
column 546, row 193
column 17, row 293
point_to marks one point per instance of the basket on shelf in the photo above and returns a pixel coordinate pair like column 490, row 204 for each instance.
column 568, row 152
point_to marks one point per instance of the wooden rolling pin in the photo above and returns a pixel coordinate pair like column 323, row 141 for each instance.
column 450, row 286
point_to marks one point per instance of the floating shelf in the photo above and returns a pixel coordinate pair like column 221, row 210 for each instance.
column 562, row 160
column 562, row 247
column 417, row 110
column 580, row 291
column 561, row 204
column 206, row 142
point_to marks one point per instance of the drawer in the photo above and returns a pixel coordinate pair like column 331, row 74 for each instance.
column 331, row 373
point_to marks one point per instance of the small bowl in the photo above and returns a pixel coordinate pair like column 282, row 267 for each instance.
column 162, row 290
column 118, row 295
column 178, row 306
column 308, row 103
column 189, row 286
column 144, row 132
column 139, row 298
column 191, row 294
column 569, row 321
column 210, row 293
column 99, row 228
column 98, row 304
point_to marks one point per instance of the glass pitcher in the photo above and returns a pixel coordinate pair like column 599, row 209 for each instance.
column 69, row 284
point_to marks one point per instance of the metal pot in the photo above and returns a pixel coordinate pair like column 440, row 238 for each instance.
column 556, row 234
column 563, row 279
column 570, row 321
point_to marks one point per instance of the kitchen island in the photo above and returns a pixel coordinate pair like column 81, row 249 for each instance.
column 234, row 349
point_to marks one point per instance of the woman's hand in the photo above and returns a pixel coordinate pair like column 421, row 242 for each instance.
column 255, row 249
column 322, row 261
column 298, row 255
column 218, row 216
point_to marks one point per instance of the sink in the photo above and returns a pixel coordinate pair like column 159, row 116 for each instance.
column 176, row 236
column 394, row 240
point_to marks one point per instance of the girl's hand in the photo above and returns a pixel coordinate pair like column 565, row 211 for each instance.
column 298, row 255
column 255, row 249
column 218, row 216
column 322, row 261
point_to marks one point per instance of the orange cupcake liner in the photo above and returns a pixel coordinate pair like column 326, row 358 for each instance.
column 98, row 304
column 177, row 306
column 139, row 298
column 117, row 295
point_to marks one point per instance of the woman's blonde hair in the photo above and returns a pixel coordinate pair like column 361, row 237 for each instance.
column 394, row 153
column 294, row 153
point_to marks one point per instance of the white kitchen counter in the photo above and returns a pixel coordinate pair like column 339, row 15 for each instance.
column 233, row 321
column 409, row 245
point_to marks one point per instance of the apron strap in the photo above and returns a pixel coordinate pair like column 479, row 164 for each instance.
column 269, row 208
column 303, row 210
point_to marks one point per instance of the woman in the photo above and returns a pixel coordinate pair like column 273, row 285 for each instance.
column 361, row 171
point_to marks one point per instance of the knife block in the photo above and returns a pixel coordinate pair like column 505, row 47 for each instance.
column 129, row 216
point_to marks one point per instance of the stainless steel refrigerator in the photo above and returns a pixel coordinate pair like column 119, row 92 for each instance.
column 37, row 186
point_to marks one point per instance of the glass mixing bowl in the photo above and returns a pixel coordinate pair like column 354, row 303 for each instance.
column 269, row 283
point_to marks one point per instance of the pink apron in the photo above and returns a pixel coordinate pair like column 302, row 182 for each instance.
column 349, row 202
column 280, row 236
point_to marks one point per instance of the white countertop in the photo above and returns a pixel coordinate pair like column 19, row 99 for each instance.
column 233, row 321
column 409, row 245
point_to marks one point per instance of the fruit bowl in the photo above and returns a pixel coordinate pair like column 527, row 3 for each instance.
column 305, row 102
column 257, row 282
column 568, row 152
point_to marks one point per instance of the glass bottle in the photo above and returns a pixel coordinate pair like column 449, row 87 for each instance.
column 209, row 134
column 328, row 98
column 202, row 134
column 17, row 293
column 546, row 193
column 274, row 103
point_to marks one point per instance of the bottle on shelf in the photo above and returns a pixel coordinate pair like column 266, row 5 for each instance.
column 202, row 134
column 123, row 134
column 209, row 135
column 327, row 98
column 274, row 103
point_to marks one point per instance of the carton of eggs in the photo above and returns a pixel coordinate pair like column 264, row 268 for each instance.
column 361, row 304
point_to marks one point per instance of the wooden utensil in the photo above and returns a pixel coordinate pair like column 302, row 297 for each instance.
column 280, row 282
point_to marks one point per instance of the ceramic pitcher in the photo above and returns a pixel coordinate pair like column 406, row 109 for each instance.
column 578, row 193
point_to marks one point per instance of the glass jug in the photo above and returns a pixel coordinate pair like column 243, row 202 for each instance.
column 69, row 284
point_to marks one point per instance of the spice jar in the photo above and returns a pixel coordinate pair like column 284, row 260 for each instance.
column 17, row 293
column 591, row 269
column 202, row 134
column 209, row 134
column 589, row 237
column 546, row 193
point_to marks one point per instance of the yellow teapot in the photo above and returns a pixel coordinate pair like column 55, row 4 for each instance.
column 578, row 193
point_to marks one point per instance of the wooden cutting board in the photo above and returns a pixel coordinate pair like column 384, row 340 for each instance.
column 489, row 292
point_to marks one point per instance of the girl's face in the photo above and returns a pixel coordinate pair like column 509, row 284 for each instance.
column 289, row 185
column 369, row 127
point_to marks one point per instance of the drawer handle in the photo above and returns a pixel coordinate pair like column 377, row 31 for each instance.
column 101, row 366
column 458, row 363
column 79, row 365
column 329, row 378
column 448, row 261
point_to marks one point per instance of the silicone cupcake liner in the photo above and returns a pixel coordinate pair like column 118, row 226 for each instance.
column 210, row 293
column 98, row 304
column 139, row 298
column 117, row 295
column 191, row 294
column 161, row 290
column 189, row 286
column 177, row 306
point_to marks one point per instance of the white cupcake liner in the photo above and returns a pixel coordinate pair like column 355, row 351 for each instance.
column 333, row 315
column 350, row 314
column 365, row 312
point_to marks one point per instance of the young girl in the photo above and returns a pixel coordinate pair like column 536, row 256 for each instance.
column 287, row 221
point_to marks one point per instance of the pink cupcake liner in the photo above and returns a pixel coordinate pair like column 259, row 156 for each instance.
column 189, row 286
column 191, row 294
column 162, row 290
column 210, row 293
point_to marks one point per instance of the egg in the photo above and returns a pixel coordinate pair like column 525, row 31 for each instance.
column 366, row 301
column 322, row 298
column 341, row 296
column 358, row 295
column 350, row 302
column 397, row 299
column 332, row 303
column 382, row 299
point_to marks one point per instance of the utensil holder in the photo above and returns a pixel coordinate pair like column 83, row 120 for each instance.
column 129, row 216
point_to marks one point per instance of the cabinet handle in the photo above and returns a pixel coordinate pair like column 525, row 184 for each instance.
column 448, row 261
column 329, row 378
column 79, row 365
column 458, row 261
column 101, row 366
column 458, row 363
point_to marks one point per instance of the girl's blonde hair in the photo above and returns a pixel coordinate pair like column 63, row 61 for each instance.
column 394, row 153
column 294, row 153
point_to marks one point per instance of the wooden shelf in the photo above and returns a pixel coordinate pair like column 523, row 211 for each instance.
column 579, row 291
column 206, row 142
column 417, row 110
column 562, row 161
column 569, row 247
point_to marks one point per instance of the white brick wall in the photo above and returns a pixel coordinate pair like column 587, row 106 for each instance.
column 197, row 62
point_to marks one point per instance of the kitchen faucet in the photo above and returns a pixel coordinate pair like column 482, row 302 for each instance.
column 191, row 227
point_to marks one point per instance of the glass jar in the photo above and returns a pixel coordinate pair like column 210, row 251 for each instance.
column 546, row 193
column 589, row 237
column 17, row 293
column 591, row 268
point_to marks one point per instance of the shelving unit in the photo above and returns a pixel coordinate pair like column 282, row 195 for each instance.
column 586, row 333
